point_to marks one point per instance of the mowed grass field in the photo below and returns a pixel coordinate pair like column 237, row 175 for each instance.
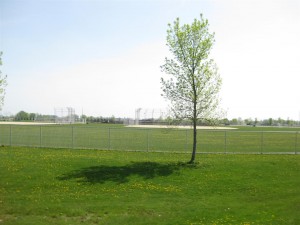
column 71, row 186
column 112, row 137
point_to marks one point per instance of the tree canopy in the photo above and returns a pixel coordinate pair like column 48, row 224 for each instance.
column 3, row 84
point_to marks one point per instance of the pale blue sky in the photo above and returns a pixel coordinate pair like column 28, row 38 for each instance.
column 104, row 56
column 62, row 32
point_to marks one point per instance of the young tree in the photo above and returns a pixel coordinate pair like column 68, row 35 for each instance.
column 194, row 83
column 3, row 84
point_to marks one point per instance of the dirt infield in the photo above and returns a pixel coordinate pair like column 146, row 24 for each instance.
column 183, row 127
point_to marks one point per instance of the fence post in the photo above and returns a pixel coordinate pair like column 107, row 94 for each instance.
column 72, row 137
column 296, row 142
column 109, row 138
column 261, row 142
column 40, row 136
column 10, row 138
column 225, row 140
column 147, row 140
column 186, row 139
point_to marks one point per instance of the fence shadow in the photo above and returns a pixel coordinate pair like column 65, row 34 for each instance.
column 121, row 174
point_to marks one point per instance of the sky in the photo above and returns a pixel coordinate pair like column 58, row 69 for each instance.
column 103, row 57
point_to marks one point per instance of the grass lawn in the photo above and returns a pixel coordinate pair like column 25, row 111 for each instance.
column 62, row 186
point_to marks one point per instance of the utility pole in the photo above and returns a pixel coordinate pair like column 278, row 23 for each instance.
column 137, row 115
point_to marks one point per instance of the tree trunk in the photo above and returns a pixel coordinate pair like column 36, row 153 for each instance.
column 194, row 118
column 194, row 141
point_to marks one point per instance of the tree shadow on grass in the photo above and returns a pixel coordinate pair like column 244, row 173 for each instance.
column 121, row 174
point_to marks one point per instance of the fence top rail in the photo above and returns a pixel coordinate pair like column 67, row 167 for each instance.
column 266, row 131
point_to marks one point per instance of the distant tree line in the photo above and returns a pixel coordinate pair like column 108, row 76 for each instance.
column 231, row 122
column 25, row 116
column 256, row 122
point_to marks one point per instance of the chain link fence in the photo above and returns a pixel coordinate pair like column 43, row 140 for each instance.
column 162, row 140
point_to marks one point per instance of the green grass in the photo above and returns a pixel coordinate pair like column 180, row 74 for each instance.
column 244, row 139
column 266, row 128
column 64, row 186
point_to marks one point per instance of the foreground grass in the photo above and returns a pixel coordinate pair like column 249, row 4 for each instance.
column 51, row 186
